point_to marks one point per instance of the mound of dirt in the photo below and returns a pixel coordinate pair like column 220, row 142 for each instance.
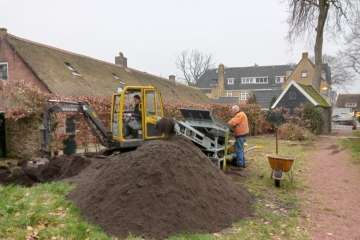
column 162, row 188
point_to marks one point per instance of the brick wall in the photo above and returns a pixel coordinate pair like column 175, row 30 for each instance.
column 17, row 68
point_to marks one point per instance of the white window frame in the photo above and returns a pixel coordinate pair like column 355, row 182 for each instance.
column 255, row 80
column 279, row 79
column 244, row 96
column 7, row 70
column 351, row 105
column 264, row 80
column 230, row 81
column 228, row 93
column 304, row 74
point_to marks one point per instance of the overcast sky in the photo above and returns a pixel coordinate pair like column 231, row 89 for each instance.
column 152, row 33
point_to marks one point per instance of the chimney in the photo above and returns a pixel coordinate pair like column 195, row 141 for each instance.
column 3, row 32
column 121, row 60
column 172, row 78
column 305, row 55
column 221, row 80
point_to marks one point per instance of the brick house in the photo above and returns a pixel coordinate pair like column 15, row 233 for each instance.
column 65, row 73
column 237, row 84
column 351, row 101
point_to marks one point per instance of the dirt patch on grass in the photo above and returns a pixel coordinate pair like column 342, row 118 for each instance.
column 162, row 188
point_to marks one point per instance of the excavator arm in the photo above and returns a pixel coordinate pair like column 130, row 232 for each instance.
column 96, row 125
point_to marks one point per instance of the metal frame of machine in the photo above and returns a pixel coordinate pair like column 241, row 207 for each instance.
column 206, row 132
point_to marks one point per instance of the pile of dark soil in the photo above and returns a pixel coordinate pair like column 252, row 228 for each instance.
column 162, row 188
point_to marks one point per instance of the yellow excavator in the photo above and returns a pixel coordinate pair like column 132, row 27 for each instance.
column 136, row 112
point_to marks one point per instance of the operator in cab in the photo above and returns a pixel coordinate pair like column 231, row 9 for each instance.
column 240, row 126
column 133, row 124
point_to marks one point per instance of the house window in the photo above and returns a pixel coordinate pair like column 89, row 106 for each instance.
column 4, row 74
column 72, row 69
column 214, row 82
column 254, row 80
column 350, row 105
column 304, row 74
column 279, row 79
column 323, row 75
column 230, row 81
column 228, row 93
column 244, row 96
column 246, row 80
column 292, row 95
column 261, row 80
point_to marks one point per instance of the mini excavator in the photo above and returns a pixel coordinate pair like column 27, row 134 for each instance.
column 146, row 122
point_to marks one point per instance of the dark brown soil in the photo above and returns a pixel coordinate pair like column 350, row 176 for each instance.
column 162, row 188
column 32, row 172
column 166, row 126
column 64, row 167
column 14, row 175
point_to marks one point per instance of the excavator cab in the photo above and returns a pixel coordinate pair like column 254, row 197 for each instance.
column 134, row 114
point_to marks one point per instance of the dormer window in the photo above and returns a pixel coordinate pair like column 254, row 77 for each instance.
column 4, row 72
column 230, row 81
column 72, row 69
column 115, row 76
column 279, row 79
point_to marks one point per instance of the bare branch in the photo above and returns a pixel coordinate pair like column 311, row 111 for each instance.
column 310, row 17
column 193, row 65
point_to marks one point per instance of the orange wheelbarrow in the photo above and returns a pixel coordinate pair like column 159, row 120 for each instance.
column 280, row 165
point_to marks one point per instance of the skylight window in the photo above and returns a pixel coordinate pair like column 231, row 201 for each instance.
column 72, row 69
column 115, row 76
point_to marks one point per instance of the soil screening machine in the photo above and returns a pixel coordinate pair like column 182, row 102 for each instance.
column 199, row 126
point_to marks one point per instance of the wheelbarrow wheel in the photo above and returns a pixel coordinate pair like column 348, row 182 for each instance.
column 277, row 182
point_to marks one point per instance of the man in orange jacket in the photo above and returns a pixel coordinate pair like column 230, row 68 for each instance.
column 239, row 124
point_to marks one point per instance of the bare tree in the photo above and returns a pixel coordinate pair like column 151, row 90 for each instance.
column 341, row 73
column 309, row 15
column 351, row 51
column 193, row 65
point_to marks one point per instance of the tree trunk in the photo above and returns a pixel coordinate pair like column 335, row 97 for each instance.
column 323, row 12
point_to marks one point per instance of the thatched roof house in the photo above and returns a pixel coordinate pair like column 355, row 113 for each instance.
column 71, row 74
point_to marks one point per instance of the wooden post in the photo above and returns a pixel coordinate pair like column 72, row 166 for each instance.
column 276, row 137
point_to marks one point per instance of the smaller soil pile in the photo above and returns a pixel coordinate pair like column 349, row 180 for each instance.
column 162, row 188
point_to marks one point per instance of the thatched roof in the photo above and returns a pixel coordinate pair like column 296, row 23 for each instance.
column 97, row 78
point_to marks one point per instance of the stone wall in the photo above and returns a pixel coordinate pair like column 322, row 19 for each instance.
column 23, row 137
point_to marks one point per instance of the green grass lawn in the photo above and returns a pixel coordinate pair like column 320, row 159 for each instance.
column 353, row 144
column 44, row 212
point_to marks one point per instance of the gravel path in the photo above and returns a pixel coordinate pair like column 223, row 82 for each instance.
column 333, row 198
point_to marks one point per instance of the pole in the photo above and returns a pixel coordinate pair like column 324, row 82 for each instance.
column 277, row 145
